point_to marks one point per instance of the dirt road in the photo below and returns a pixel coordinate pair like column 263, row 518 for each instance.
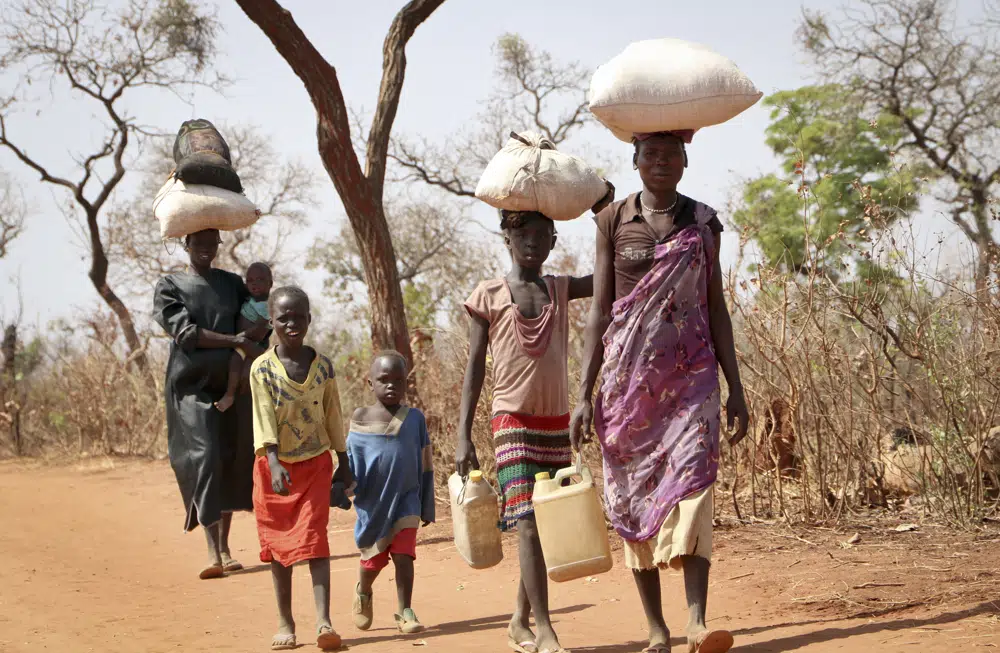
column 95, row 560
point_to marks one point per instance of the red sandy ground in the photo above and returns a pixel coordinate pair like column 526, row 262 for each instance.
column 95, row 560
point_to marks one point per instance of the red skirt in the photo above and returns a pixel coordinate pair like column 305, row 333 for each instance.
column 293, row 528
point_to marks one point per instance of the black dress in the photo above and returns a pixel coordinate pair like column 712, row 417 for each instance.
column 211, row 453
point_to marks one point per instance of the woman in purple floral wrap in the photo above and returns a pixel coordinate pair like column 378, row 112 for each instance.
column 660, row 326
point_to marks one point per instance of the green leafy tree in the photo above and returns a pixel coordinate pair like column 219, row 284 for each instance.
column 836, row 164
column 937, row 71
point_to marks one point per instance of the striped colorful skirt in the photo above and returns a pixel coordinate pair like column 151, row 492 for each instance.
column 525, row 445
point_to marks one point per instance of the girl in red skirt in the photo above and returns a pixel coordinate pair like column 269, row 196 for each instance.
column 296, row 418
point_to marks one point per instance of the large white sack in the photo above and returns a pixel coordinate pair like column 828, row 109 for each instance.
column 668, row 84
column 529, row 174
column 186, row 209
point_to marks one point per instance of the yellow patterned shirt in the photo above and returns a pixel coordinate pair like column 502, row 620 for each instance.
column 302, row 419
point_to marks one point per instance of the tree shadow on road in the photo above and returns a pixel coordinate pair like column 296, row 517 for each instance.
column 439, row 539
column 795, row 642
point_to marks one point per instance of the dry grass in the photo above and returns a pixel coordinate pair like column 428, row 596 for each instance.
column 84, row 399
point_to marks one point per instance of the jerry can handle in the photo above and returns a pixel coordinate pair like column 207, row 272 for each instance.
column 460, row 499
column 578, row 471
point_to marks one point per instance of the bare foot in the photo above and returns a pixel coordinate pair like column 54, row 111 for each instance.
column 709, row 641
column 225, row 403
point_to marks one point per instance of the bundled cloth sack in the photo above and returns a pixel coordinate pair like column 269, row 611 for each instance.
column 666, row 85
column 202, row 157
column 184, row 209
column 529, row 174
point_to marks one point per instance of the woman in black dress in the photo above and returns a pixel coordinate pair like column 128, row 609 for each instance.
column 211, row 453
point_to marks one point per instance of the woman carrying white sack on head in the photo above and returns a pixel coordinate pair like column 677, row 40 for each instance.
column 659, row 329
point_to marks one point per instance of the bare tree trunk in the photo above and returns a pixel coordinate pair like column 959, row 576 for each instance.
column 984, row 240
column 360, row 191
column 11, row 401
column 389, row 329
column 982, row 268
column 99, row 277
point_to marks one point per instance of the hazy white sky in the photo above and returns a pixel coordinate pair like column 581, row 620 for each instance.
column 449, row 72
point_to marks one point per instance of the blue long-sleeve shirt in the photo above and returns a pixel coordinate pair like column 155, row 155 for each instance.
column 393, row 465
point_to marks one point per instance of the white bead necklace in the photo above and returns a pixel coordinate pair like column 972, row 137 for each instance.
column 666, row 210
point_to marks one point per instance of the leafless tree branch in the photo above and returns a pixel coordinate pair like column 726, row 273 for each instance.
column 533, row 92
column 13, row 210
column 439, row 255
column 393, row 72
column 102, row 54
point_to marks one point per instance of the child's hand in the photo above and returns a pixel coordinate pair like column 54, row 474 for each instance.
column 257, row 330
column 465, row 457
column 281, row 480
column 344, row 475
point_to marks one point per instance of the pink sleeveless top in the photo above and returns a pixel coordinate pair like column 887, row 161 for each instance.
column 530, row 375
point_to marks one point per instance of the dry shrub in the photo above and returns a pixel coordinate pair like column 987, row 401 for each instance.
column 857, row 363
column 85, row 398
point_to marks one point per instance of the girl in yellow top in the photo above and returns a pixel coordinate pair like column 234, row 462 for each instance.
column 297, row 422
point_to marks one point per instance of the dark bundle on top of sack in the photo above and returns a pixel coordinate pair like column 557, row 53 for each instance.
column 204, row 191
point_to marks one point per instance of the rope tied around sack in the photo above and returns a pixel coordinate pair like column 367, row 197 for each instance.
column 529, row 171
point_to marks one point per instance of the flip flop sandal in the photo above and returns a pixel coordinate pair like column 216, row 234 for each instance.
column 212, row 572
column 281, row 642
column 327, row 639
column 408, row 624
column 528, row 646
column 228, row 564
column 362, row 609
column 714, row 641
column 659, row 648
